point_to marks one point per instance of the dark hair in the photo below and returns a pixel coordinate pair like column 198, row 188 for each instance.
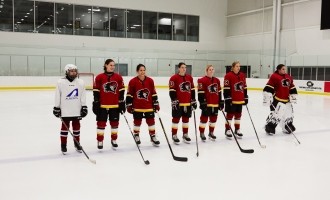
column 106, row 63
column 139, row 66
column 180, row 64
column 279, row 67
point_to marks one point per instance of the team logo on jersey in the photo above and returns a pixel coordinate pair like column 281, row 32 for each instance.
column 185, row 86
column 110, row 87
column 285, row 82
column 72, row 95
column 213, row 88
column 239, row 86
column 143, row 94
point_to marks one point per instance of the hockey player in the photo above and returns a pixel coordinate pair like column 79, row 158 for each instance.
column 235, row 96
column 182, row 94
column 142, row 102
column 279, row 93
column 70, row 105
column 108, row 92
column 210, row 101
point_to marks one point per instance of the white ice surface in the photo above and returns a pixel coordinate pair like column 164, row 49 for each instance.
column 32, row 166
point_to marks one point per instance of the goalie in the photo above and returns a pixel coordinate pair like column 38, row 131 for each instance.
column 279, row 93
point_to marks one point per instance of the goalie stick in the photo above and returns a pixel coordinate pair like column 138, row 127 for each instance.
column 76, row 141
column 182, row 159
column 145, row 161
column 239, row 146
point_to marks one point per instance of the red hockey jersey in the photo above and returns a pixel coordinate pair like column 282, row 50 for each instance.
column 183, row 87
column 235, row 87
column 143, row 92
column 281, row 86
column 212, row 90
column 109, row 86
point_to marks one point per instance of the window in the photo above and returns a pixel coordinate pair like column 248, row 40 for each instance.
column 149, row 25
column 134, row 24
column 44, row 17
column 327, row 74
column 117, row 22
column 6, row 15
column 193, row 28
column 64, row 19
column 100, row 21
column 179, row 27
column 296, row 73
column 83, row 20
column 165, row 26
column 320, row 74
column 307, row 73
column 24, row 16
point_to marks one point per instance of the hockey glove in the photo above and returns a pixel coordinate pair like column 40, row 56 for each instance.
column 156, row 106
column 96, row 107
column 203, row 106
column 246, row 100
column 129, row 108
column 57, row 111
column 122, row 106
column 268, row 98
column 194, row 104
column 83, row 111
column 221, row 105
column 228, row 102
column 293, row 98
column 175, row 105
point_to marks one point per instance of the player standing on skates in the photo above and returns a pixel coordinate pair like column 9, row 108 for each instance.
column 235, row 96
column 279, row 93
column 108, row 92
column 70, row 105
column 182, row 94
column 142, row 102
column 210, row 101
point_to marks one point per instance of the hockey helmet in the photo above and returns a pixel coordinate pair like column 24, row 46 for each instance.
column 70, row 67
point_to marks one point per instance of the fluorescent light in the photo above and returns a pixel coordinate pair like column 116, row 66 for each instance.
column 136, row 25
column 94, row 9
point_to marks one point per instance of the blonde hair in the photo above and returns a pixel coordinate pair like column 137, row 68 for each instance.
column 235, row 63
column 207, row 67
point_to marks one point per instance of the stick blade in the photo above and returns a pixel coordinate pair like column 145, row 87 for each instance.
column 247, row 150
column 181, row 159
column 92, row 161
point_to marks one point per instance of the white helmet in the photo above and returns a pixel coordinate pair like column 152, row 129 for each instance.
column 69, row 67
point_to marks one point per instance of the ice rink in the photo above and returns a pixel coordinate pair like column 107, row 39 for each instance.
column 33, row 167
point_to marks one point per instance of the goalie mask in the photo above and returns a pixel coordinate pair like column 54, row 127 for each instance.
column 71, row 71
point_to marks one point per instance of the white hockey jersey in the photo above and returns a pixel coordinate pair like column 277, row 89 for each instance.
column 70, row 96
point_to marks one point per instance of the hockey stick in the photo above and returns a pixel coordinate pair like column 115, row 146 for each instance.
column 197, row 154
column 145, row 161
column 242, row 150
column 76, row 141
column 182, row 159
column 262, row 146
column 288, row 126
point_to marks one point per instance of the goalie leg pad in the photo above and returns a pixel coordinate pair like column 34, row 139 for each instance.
column 287, row 119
